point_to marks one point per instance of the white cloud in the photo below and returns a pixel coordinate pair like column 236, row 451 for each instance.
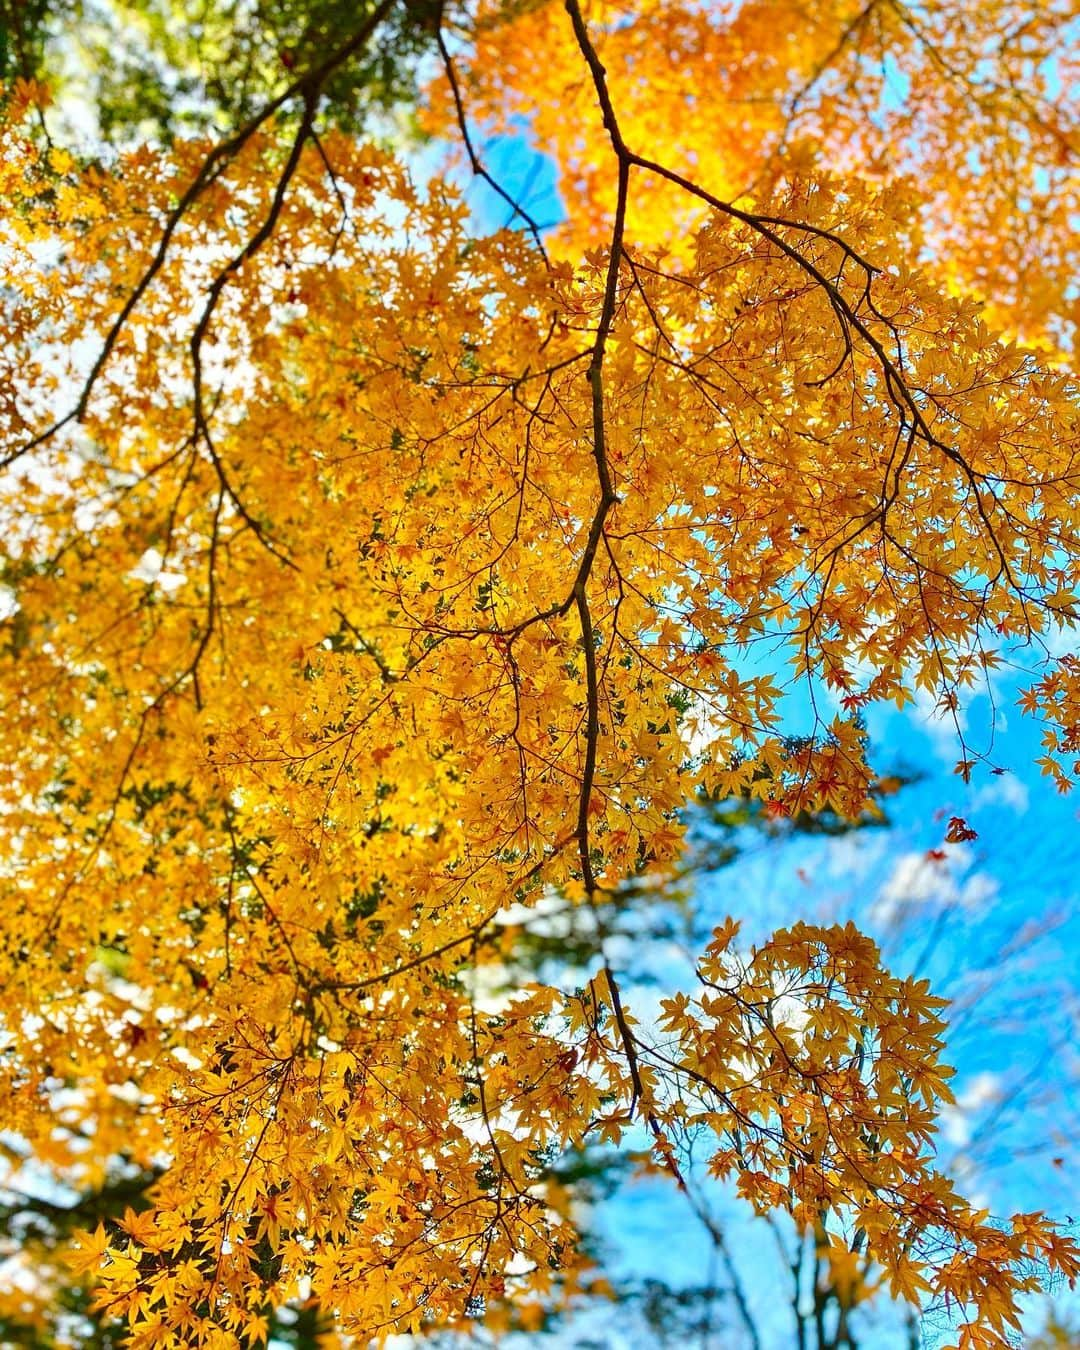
column 957, row 1119
column 943, row 727
column 1005, row 790
column 920, row 881
column 853, row 856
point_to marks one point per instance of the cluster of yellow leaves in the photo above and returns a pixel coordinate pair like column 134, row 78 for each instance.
column 318, row 654
column 820, row 1074
column 975, row 104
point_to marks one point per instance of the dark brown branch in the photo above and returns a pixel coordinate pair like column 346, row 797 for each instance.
column 595, row 376
column 475, row 162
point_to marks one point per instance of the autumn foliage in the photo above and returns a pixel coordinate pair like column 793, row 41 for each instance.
column 367, row 574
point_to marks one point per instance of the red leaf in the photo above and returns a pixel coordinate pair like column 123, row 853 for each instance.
column 959, row 831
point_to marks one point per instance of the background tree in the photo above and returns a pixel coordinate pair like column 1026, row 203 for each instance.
column 1057, row 1336
column 161, row 68
column 382, row 575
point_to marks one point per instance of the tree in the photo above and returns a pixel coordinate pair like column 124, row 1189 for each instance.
column 36, row 1229
column 369, row 574
column 138, row 68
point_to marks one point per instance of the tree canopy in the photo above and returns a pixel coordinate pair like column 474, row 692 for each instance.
column 369, row 576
